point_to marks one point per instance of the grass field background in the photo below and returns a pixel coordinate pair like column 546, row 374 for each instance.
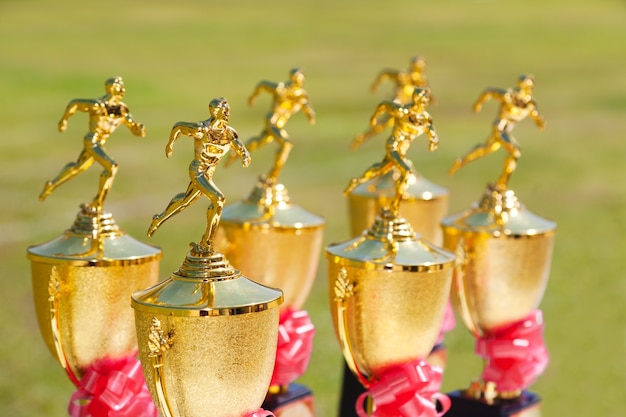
column 176, row 56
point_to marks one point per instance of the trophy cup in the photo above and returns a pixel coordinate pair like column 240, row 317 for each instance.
column 388, row 289
column 277, row 243
column 207, row 334
column 503, row 262
column 83, row 278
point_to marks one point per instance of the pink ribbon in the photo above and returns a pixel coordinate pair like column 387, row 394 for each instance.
column 448, row 324
column 260, row 413
column 515, row 354
column 112, row 388
column 295, row 343
column 407, row 390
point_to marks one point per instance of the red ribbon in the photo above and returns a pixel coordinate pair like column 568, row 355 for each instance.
column 515, row 354
column 448, row 323
column 295, row 343
column 408, row 390
column 112, row 388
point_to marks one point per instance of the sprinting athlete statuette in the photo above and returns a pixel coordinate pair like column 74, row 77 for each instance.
column 105, row 115
column 515, row 105
column 82, row 279
column 288, row 98
column 207, row 334
column 504, row 253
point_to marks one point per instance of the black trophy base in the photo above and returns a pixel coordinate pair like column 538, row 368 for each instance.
column 526, row 405
column 295, row 401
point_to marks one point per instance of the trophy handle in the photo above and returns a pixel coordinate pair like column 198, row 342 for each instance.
column 459, row 282
column 159, row 342
column 55, row 325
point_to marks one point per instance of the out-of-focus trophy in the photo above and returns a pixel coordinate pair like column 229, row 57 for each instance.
column 207, row 335
column 504, row 253
column 277, row 243
column 82, row 279
column 388, row 288
column 424, row 204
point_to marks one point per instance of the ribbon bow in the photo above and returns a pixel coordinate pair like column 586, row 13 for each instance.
column 295, row 343
column 516, row 354
column 407, row 390
column 112, row 388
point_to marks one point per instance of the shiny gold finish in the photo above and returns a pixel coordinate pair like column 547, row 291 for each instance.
column 273, row 241
column 212, row 140
column 504, row 255
column 105, row 115
column 424, row 204
column 288, row 98
column 515, row 105
column 410, row 121
column 207, row 338
column 81, row 284
column 207, row 335
column 405, row 82
column 376, row 323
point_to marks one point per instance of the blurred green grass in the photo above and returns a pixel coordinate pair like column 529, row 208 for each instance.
column 176, row 57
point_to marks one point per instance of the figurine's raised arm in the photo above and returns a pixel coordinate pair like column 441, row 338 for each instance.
column 384, row 75
column 538, row 118
column 138, row 129
column 488, row 94
column 385, row 106
column 239, row 148
column 266, row 86
column 192, row 129
column 83, row 105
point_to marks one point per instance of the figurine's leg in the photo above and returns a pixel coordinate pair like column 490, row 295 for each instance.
column 281, row 155
column 510, row 163
column 106, row 177
column 402, row 183
column 68, row 172
column 374, row 171
column 177, row 204
column 214, row 212
column 477, row 152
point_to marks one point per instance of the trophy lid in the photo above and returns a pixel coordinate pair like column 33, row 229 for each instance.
column 206, row 285
column 419, row 188
column 390, row 244
column 268, row 205
column 499, row 212
column 94, row 240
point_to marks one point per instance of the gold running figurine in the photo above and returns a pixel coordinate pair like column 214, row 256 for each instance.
column 212, row 140
column 288, row 98
column 406, row 82
column 105, row 115
column 515, row 105
column 410, row 121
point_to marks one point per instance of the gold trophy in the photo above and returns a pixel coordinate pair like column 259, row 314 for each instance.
column 504, row 253
column 207, row 334
column 83, row 278
column 388, row 288
column 277, row 243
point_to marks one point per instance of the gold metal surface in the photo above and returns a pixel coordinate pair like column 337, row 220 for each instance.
column 515, row 105
column 213, row 138
column 424, row 204
column 504, row 254
column 378, row 325
column 410, row 121
column 273, row 241
column 105, row 115
column 288, row 98
column 405, row 83
column 81, row 284
column 207, row 335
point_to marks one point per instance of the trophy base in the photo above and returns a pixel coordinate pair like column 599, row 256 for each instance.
column 295, row 401
column 526, row 405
